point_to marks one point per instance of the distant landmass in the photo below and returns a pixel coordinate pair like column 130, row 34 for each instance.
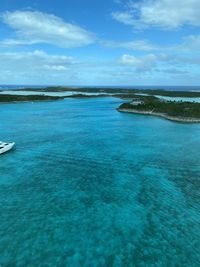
column 140, row 101
column 146, row 87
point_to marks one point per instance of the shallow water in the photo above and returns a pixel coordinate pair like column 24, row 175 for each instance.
column 88, row 186
column 67, row 93
column 13, row 92
column 176, row 99
column 70, row 93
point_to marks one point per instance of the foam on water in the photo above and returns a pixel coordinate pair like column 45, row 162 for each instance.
column 88, row 186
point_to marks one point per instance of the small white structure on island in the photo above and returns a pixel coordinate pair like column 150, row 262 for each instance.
column 136, row 102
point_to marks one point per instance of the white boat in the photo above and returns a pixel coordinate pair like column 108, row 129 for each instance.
column 4, row 147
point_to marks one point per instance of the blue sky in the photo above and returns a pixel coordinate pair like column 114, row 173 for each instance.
column 100, row 42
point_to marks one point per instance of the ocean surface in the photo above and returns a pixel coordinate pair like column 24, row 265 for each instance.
column 87, row 186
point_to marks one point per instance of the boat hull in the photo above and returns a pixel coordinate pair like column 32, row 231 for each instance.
column 7, row 148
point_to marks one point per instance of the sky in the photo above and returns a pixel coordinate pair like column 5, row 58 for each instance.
column 100, row 42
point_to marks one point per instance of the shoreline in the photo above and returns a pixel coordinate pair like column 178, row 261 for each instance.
column 6, row 98
column 30, row 101
column 162, row 115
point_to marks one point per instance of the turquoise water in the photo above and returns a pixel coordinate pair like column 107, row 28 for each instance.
column 88, row 186
column 184, row 99
column 68, row 93
column 177, row 99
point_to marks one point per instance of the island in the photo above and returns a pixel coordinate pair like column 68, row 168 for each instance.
column 171, row 110
column 86, row 96
column 6, row 98
column 123, row 91
column 138, row 101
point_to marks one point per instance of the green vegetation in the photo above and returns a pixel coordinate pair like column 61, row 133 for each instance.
column 23, row 98
column 125, row 95
column 171, row 93
column 78, row 90
column 172, row 109
column 124, row 92
column 85, row 96
column 145, row 104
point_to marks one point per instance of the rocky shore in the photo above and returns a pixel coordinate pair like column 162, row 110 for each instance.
column 165, row 116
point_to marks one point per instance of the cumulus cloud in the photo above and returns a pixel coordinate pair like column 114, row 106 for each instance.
column 191, row 43
column 124, row 17
column 37, row 27
column 168, row 14
column 55, row 67
column 23, row 67
column 142, row 63
column 139, row 45
column 39, row 67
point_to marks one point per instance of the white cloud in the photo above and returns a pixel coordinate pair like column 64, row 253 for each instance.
column 37, row 27
column 168, row 14
column 124, row 17
column 191, row 43
column 55, row 67
column 142, row 63
column 35, row 60
column 39, row 67
column 139, row 45
column 36, row 66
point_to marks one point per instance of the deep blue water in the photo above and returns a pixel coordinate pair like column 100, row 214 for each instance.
column 87, row 186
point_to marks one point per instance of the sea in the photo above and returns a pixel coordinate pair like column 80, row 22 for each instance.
column 87, row 186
